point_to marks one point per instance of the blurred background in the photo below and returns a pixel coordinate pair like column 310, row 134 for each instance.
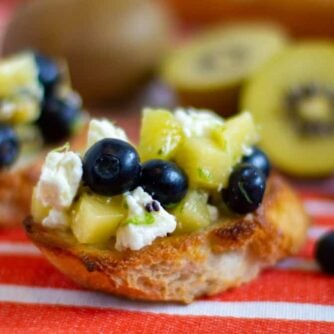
column 218, row 54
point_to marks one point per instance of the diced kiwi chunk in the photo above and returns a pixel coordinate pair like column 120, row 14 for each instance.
column 20, row 91
column 236, row 135
column 160, row 135
column 192, row 212
column 96, row 218
column 204, row 162
column 38, row 211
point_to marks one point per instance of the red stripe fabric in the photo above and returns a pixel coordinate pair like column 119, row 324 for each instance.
column 16, row 318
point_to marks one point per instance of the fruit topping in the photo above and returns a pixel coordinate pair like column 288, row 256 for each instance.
column 192, row 213
column 102, row 128
column 96, row 218
column 258, row 159
column 197, row 123
column 141, row 228
column 111, row 167
column 48, row 73
column 245, row 189
column 59, row 118
column 9, row 146
column 291, row 99
column 164, row 181
column 60, row 179
column 209, row 71
column 324, row 253
column 160, row 135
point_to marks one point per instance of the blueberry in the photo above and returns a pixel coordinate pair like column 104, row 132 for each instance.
column 164, row 181
column 58, row 118
column 48, row 72
column 111, row 167
column 245, row 189
column 9, row 146
column 324, row 252
column 258, row 159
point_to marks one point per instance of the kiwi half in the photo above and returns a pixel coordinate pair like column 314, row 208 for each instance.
column 209, row 70
column 292, row 99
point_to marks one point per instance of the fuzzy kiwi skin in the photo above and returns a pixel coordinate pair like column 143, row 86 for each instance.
column 111, row 45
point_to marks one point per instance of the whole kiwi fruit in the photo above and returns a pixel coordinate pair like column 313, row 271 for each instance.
column 110, row 45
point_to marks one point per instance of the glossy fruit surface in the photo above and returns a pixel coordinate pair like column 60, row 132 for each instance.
column 160, row 135
column 9, row 146
column 48, row 72
column 96, row 218
column 258, row 159
column 192, row 212
column 111, row 167
column 292, row 101
column 324, row 253
column 245, row 189
column 164, row 181
column 58, row 118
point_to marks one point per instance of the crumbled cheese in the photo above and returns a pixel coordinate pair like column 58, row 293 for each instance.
column 101, row 129
column 60, row 179
column 213, row 212
column 141, row 227
column 56, row 220
column 197, row 123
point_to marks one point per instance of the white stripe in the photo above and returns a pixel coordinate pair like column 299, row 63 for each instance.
column 319, row 207
column 295, row 263
column 263, row 310
column 316, row 232
column 19, row 248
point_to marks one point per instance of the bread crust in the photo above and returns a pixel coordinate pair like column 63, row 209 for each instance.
column 182, row 268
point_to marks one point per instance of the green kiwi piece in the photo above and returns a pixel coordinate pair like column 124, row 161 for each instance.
column 292, row 100
column 210, row 69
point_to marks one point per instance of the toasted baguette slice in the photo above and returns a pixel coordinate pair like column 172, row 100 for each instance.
column 181, row 268
column 16, row 186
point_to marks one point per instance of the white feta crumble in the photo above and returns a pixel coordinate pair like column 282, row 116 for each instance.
column 56, row 220
column 142, row 227
column 60, row 179
column 197, row 123
column 101, row 129
column 213, row 212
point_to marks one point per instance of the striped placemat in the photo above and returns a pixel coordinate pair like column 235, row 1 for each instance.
column 292, row 297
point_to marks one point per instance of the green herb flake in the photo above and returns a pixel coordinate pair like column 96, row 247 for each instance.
column 204, row 174
column 146, row 219
column 244, row 192
column 62, row 149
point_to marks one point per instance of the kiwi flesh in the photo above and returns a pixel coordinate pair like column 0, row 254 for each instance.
column 210, row 69
column 292, row 100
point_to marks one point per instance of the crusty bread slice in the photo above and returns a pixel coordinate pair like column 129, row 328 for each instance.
column 181, row 268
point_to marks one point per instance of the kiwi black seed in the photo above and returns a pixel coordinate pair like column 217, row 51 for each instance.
column 311, row 109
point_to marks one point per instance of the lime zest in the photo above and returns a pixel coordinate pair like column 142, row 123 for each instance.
column 62, row 149
column 146, row 219
column 204, row 174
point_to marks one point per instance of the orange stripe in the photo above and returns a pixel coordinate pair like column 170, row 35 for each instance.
column 20, row 317
column 272, row 285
